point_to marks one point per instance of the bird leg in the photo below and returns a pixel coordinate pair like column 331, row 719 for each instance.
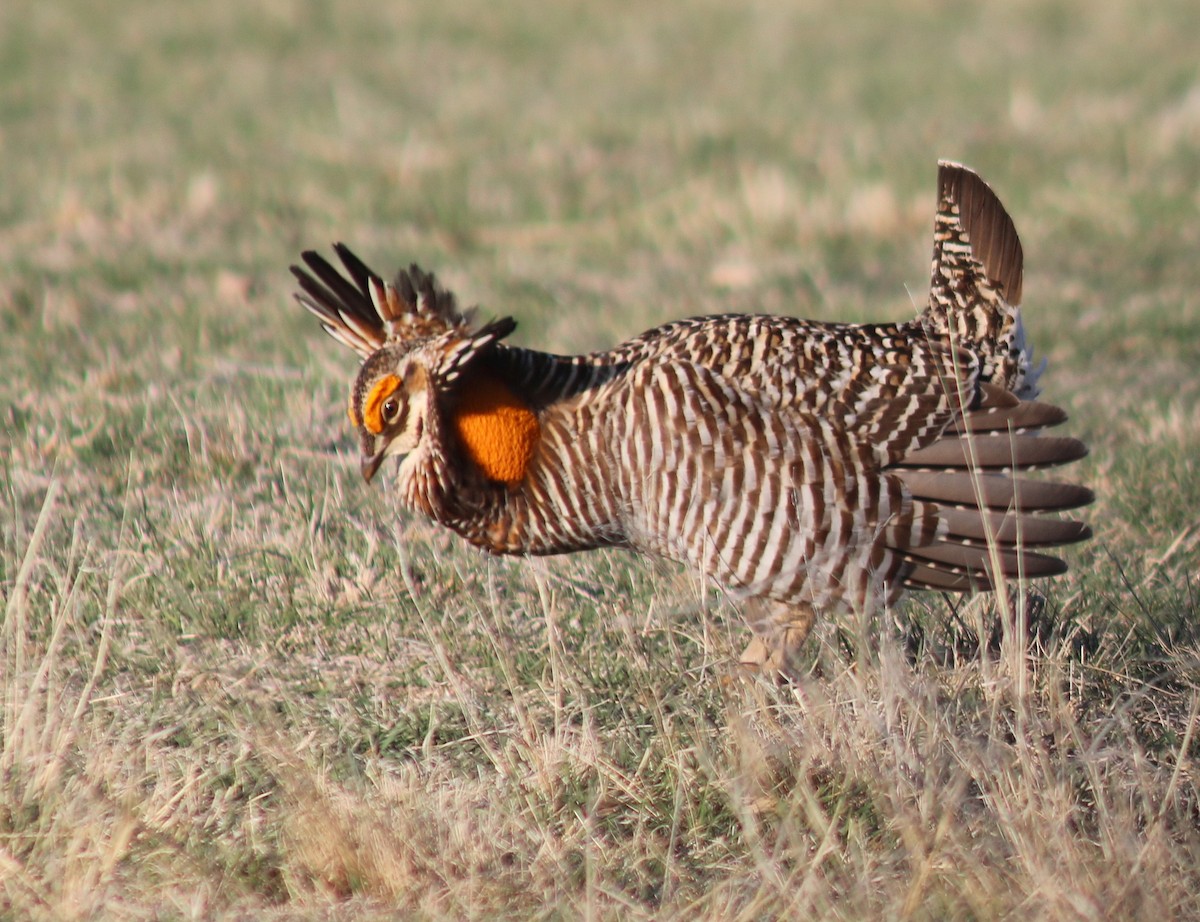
column 779, row 634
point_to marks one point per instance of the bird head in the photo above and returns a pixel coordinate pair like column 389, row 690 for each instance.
column 415, row 342
column 389, row 405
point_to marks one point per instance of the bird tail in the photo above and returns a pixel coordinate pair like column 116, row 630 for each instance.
column 975, row 281
column 993, row 524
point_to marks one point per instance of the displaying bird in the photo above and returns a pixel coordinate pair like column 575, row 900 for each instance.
column 803, row 466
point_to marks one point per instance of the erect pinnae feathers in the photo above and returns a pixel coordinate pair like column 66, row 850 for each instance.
column 365, row 312
column 424, row 295
column 386, row 301
column 346, row 312
column 359, row 271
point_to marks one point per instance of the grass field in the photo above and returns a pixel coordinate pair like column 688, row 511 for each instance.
column 235, row 682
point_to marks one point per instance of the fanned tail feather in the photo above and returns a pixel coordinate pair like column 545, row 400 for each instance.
column 990, row 521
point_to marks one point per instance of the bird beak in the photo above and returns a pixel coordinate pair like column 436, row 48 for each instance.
column 370, row 464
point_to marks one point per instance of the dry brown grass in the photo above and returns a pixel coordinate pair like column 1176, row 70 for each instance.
column 894, row 782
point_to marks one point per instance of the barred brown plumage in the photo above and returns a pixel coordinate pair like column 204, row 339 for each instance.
column 803, row 466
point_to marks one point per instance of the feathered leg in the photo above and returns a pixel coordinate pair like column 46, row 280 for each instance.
column 779, row 634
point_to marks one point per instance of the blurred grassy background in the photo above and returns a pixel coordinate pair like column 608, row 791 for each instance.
column 299, row 699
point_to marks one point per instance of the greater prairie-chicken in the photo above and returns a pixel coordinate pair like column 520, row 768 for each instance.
column 803, row 466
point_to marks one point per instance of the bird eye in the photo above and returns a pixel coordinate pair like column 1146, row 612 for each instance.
column 391, row 409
